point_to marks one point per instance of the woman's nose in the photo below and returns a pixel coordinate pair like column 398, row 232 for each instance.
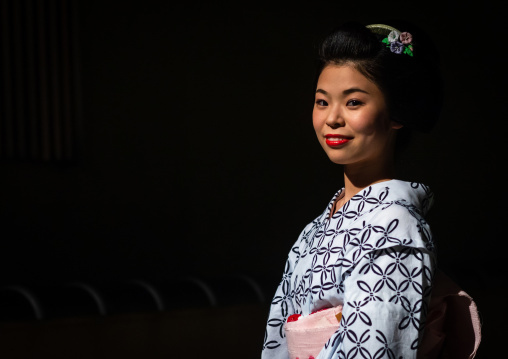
column 334, row 119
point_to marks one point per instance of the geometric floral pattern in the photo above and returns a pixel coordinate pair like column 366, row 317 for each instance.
column 375, row 256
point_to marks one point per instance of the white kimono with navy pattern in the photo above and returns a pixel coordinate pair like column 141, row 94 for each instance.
column 375, row 256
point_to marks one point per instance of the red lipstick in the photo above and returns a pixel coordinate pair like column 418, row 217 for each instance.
column 336, row 140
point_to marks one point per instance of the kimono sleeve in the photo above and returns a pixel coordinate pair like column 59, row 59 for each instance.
column 275, row 345
column 386, row 297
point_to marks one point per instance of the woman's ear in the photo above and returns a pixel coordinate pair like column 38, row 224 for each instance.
column 396, row 125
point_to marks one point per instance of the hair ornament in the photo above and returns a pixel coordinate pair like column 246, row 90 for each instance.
column 398, row 42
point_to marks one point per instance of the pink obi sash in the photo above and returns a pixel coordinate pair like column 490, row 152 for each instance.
column 307, row 335
column 452, row 329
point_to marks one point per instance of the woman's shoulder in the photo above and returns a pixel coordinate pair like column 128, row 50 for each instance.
column 397, row 196
column 397, row 224
column 398, row 216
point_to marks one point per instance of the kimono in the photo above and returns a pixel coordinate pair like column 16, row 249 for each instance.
column 375, row 257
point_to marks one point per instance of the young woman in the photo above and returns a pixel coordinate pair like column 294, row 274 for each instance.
column 359, row 277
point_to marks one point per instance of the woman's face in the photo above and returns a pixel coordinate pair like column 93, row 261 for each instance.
column 351, row 118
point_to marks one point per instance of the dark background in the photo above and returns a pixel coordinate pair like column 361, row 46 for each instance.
column 197, row 154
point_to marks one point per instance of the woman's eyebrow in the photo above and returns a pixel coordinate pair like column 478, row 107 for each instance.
column 322, row 91
column 345, row 92
column 352, row 90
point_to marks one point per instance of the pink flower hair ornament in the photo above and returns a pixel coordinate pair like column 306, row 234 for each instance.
column 398, row 42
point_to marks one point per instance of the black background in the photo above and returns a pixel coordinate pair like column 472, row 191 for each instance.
column 198, row 156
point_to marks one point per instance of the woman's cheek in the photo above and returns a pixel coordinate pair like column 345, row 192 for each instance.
column 365, row 125
column 316, row 120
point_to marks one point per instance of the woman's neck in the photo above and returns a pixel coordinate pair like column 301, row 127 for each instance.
column 358, row 177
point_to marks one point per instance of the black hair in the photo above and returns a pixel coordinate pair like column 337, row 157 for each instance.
column 412, row 85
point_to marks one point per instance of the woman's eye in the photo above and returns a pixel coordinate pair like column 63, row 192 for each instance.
column 321, row 103
column 353, row 103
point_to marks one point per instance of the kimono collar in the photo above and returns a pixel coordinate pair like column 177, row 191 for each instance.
column 415, row 195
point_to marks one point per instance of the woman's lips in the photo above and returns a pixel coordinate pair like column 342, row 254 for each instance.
column 336, row 140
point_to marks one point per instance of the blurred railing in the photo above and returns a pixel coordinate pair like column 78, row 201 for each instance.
column 74, row 299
